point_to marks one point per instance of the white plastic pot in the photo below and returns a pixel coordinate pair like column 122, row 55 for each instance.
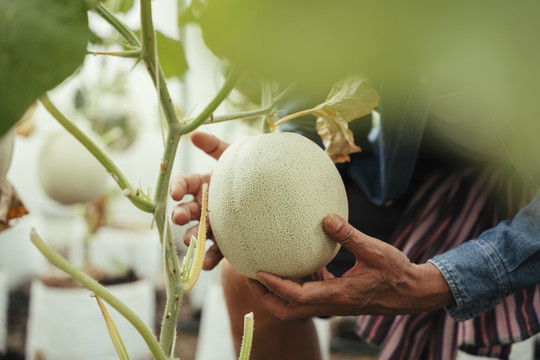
column 18, row 256
column 114, row 250
column 66, row 323
column 4, row 291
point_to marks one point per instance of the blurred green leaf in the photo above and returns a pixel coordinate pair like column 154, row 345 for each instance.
column 315, row 43
column 42, row 42
column 171, row 56
column 122, row 6
column 95, row 39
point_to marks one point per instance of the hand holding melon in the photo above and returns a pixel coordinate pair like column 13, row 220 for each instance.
column 382, row 282
column 268, row 197
column 191, row 184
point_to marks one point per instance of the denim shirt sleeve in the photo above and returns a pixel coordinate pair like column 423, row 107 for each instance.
column 500, row 262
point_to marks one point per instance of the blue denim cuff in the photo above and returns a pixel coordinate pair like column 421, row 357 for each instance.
column 476, row 276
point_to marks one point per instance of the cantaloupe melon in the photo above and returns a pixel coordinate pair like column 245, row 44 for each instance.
column 68, row 172
column 268, row 197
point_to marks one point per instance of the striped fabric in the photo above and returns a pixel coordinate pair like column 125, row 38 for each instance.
column 448, row 209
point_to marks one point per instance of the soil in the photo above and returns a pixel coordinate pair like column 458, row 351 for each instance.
column 63, row 281
column 17, row 315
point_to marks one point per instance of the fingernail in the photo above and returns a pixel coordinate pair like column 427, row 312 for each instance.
column 173, row 188
column 261, row 277
column 332, row 223
column 172, row 216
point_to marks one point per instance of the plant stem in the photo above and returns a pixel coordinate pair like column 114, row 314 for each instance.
column 268, row 120
column 198, row 259
column 114, row 334
column 149, row 56
column 125, row 54
column 294, row 116
column 247, row 339
column 222, row 94
column 175, row 293
column 122, row 28
column 175, row 288
column 251, row 114
column 176, row 129
column 92, row 285
column 265, row 110
column 131, row 193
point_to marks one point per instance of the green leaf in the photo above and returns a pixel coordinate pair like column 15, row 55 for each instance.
column 114, row 334
column 42, row 42
column 171, row 56
column 288, row 41
column 122, row 6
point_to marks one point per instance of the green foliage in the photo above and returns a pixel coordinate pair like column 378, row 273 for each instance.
column 42, row 42
column 121, row 6
column 315, row 42
column 489, row 44
column 171, row 56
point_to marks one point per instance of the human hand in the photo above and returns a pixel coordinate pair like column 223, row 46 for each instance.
column 191, row 184
column 382, row 282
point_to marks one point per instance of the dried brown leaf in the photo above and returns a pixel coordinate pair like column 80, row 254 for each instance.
column 338, row 139
column 11, row 206
column 349, row 99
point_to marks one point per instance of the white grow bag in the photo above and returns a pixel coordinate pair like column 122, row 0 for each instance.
column 67, row 324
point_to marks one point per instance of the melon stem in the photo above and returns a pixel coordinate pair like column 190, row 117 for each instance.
column 200, row 246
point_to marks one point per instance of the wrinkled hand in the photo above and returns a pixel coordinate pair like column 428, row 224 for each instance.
column 191, row 184
column 383, row 282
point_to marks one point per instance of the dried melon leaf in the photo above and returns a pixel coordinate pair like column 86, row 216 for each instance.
column 338, row 140
column 11, row 206
column 349, row 99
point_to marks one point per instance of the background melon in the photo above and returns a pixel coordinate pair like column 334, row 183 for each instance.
column 68, row 173
column 268, row 197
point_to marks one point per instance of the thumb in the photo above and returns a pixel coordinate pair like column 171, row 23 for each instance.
column 344, row 233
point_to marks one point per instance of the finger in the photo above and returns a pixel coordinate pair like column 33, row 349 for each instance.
column 277, row 305
column 212, row 258
column 209, row 144
column 194, row 231
column 268, row 300
column 184, row 213
column 187, row 185
column 322, row 274
column 314, row 292
column 345, row 234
